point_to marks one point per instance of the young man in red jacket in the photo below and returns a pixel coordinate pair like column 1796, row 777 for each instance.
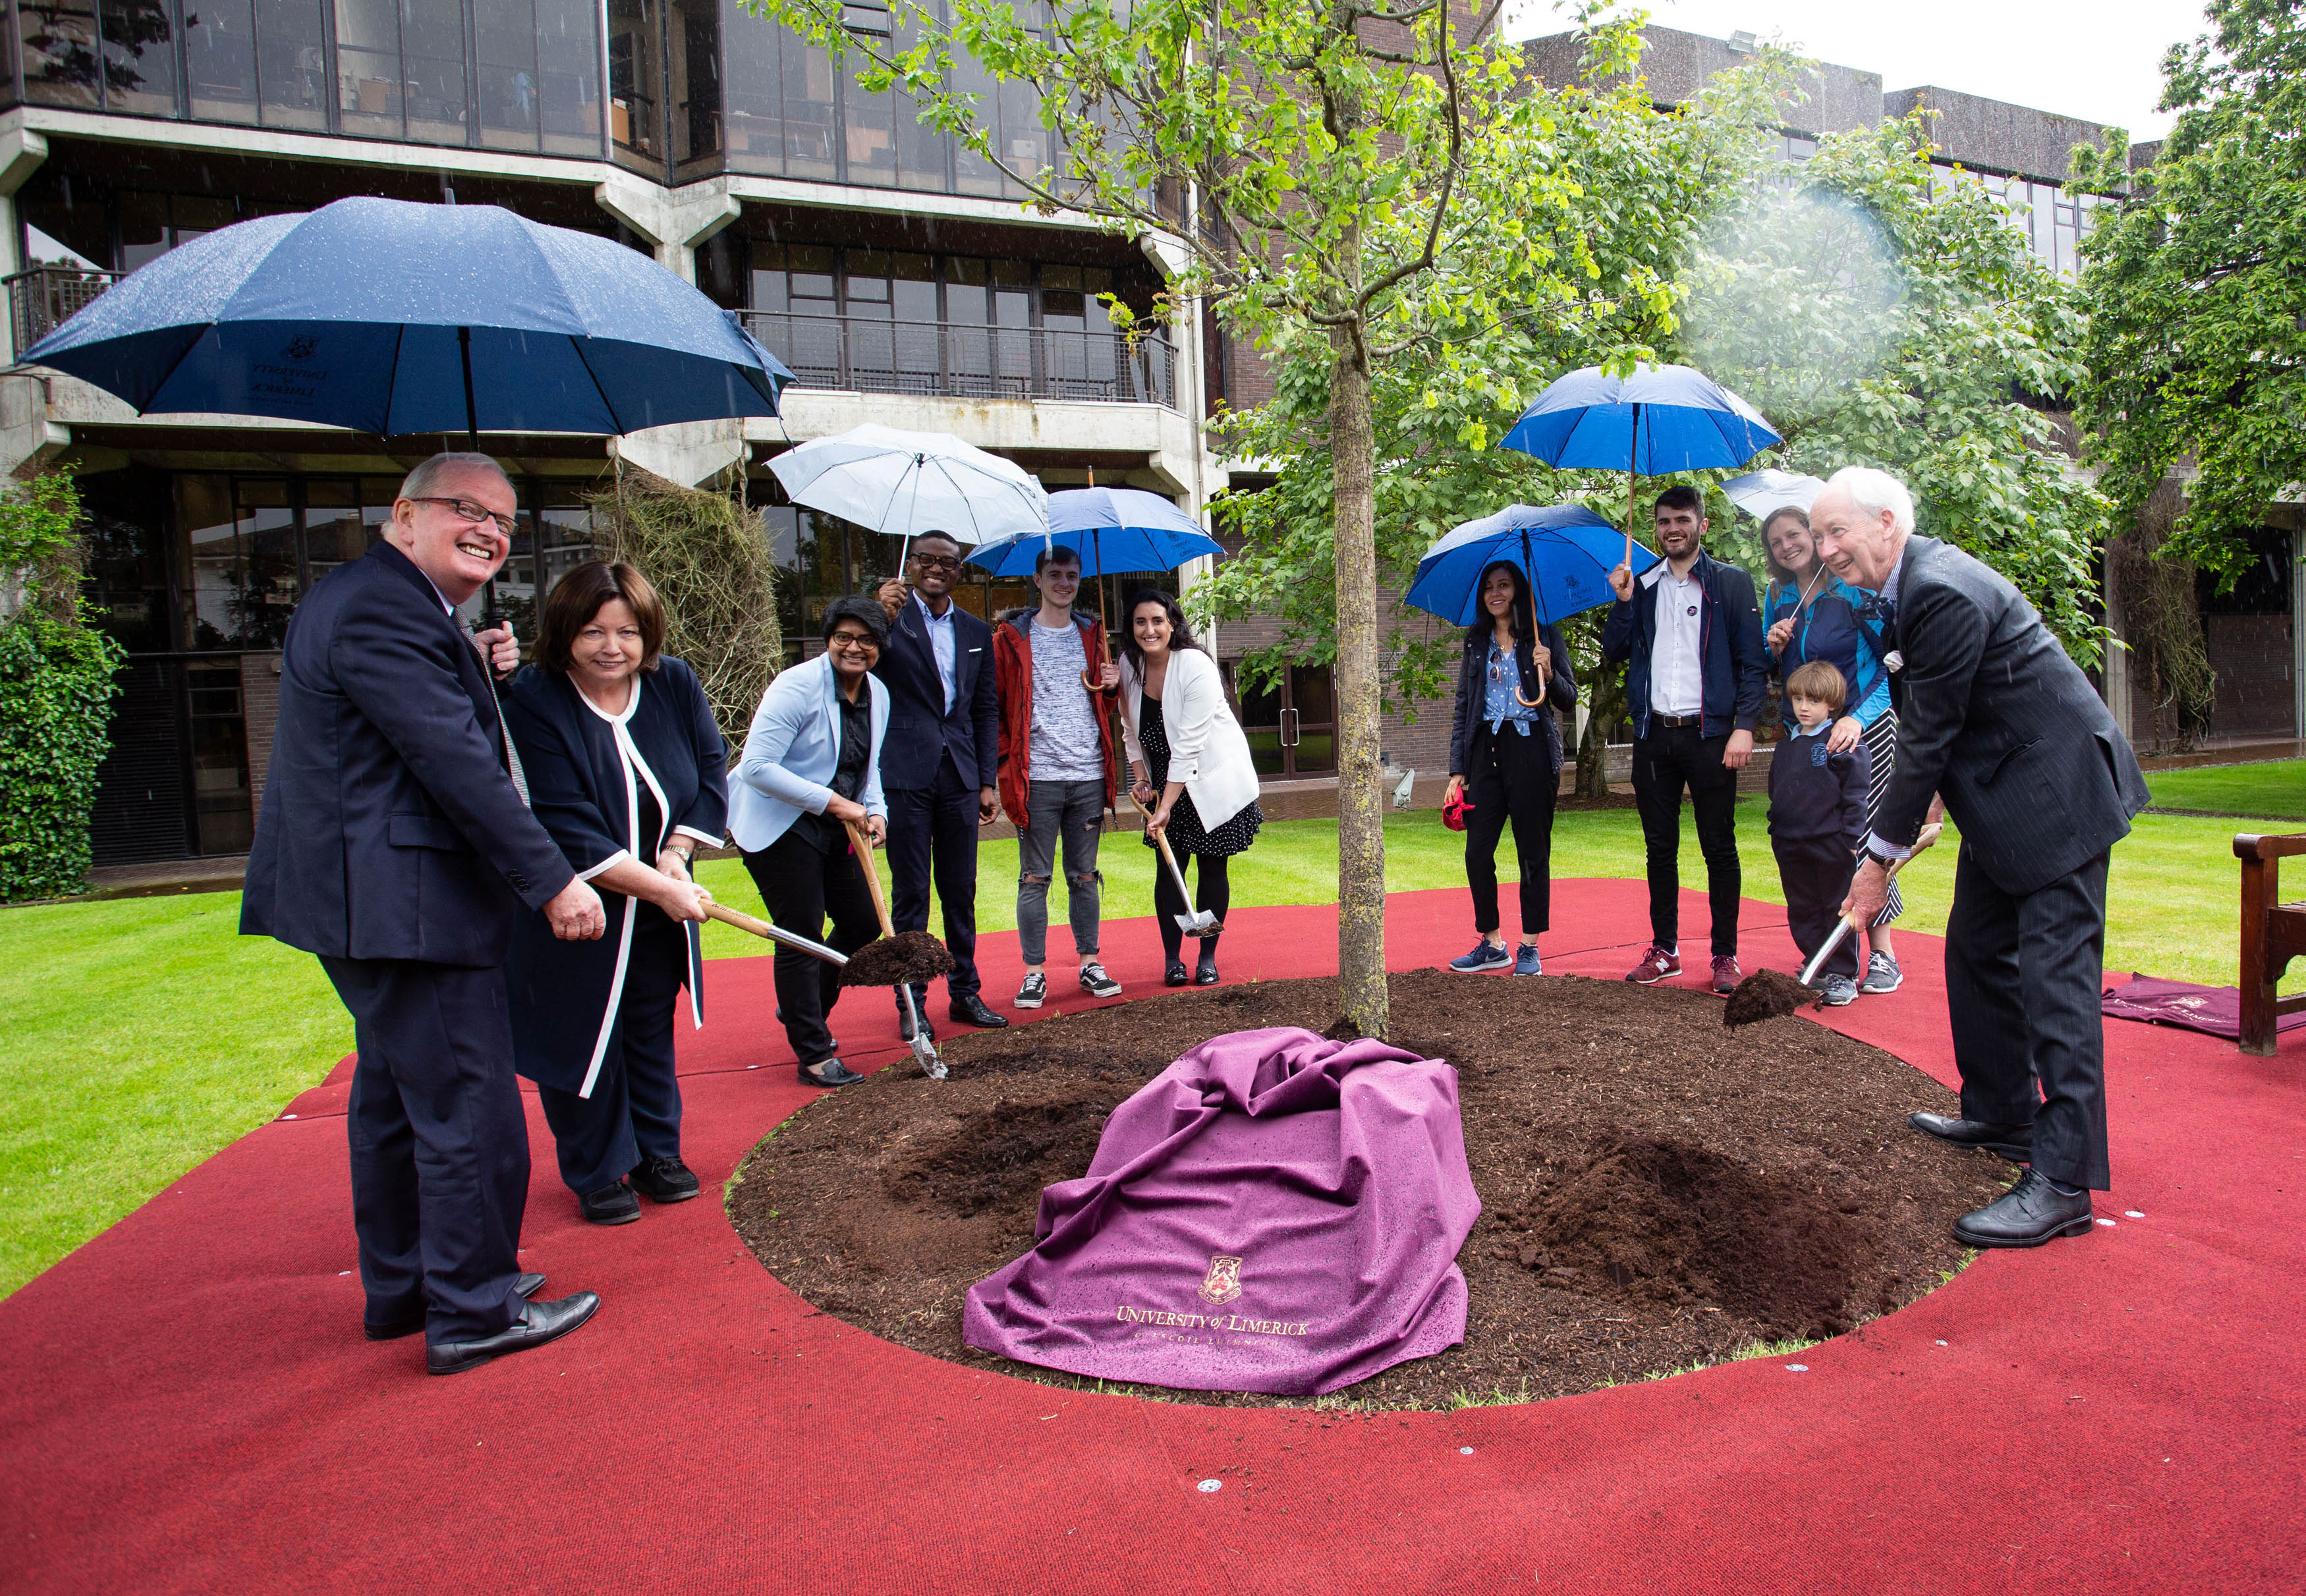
column 1057, row 775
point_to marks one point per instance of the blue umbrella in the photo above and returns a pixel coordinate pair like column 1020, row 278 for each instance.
column 393, row 318
column 1112, row 529
column 1657, row 421
column 1567, row 552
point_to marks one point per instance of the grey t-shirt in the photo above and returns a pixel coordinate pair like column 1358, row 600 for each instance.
column 1065, row 745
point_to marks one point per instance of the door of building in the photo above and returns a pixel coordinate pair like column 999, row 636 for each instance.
column 1292, row 725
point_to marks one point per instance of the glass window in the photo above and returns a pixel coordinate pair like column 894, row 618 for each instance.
column 972, row 173
column 220, row 61
column 504, row 35
column 219, row 739
column 144, row 229
column 808, row 111
column 140, row 58
column 637, row 82
column 568, row 74
column 694, row 58
column 565, row 523
column 290, row 65
column 59, row 51
column 964, row 290
column 335, row 529
column 923, row 154
column 868, row 127
column 753, row 122
column 368, row 68
column 240, row 550
column 433, row 67
column 912, row 287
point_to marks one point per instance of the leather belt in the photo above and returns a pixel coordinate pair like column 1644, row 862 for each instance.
column 1678, row 722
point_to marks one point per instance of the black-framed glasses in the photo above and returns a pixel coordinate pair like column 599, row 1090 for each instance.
column 861, row 642
column 470, row 513
column 939, row 562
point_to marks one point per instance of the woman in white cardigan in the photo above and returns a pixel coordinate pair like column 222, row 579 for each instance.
column 1189, row 763
column 811, row 763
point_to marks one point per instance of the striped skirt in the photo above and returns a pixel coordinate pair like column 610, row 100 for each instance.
column 1881, row 745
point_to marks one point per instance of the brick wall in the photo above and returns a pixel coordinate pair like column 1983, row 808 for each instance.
column 260, row 706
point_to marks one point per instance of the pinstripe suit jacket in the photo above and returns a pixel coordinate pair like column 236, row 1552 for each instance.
column 1992, row 714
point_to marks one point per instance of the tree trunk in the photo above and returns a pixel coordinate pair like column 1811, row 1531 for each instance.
column 1361, row 823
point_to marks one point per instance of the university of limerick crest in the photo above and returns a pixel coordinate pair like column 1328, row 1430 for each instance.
column 1223, row 1282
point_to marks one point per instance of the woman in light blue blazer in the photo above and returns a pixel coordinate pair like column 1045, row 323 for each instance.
column 812, row 762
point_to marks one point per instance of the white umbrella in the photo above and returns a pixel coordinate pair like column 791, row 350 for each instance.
column 1761, row 494
column 907, row 483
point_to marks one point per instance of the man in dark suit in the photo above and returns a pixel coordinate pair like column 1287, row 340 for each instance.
column 1995, row 719
column 394, row 844
column 938, row 762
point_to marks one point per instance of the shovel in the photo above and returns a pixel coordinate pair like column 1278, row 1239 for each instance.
column 1765, row 994
column 925, row 1051
column 1193, row 922
column 762, row 929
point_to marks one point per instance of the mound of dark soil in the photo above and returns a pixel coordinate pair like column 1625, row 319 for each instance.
column 907, row 956
column 1656, row 1192
column 1765, row 994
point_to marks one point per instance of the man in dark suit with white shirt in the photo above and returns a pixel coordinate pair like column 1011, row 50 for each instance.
column 1995, row 719
column 394, row 844
column 938, row 763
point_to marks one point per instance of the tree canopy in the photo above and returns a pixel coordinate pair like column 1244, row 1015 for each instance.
column 2195, row 281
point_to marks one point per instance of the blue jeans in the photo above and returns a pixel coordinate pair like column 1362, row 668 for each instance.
column 1075, row 812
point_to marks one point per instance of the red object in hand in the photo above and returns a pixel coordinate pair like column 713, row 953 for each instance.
column 1453, row 811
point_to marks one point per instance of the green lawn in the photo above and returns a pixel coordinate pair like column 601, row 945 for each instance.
column 138, row 1036
column 2273, row 789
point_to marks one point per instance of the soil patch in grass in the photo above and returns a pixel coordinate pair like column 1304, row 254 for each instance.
column 892, row 960
column 1657, row 1193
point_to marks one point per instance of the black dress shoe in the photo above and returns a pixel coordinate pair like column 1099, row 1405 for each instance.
column 905, row 1027
column 539, row 1322
column 1176, row 975
column 971, row 1011
column 611, row 1204
column 2030, row 1213
column 525, row 1287
column 2013, row 1142
column 1204, row 973
column 830, row 1072
column 664, row 1180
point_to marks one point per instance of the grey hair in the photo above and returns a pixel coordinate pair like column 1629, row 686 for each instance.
column 1873, row 492
column 421, row 482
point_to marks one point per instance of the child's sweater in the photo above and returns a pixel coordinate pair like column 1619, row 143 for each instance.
column 1815, row 793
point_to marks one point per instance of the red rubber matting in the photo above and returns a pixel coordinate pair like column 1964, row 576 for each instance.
column 187, row 1402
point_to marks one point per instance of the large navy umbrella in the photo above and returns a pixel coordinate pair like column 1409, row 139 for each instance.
column 1567, row 552
column 392, row 318
column 1656, row 422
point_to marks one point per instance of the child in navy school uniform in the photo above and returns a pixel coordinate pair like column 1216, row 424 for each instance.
column 1817, row 823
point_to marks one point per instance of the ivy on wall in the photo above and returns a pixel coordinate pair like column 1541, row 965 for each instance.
column 56, row 694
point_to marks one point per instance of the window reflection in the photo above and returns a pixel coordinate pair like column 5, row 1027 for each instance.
column 59, row 51
column 568, row 75
column 368, row 68
column 289, row 64
column 505, row 32
column 220, row 61
column 432, row 64
column 637, row 82
column 140, row 58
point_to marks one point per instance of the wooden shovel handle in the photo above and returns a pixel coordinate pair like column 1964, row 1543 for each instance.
column 739, row 919
column 863, row 844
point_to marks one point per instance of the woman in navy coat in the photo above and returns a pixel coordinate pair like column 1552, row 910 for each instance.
column 618, row 753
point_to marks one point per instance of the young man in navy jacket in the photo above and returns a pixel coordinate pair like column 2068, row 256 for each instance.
column 1694, row 682
column 1817, row 823
column 938, row 762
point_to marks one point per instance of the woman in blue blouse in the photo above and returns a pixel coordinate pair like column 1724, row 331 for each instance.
column 1809, row 613
column 1504, row 757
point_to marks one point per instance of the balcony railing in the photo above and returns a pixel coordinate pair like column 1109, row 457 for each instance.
column 868, row 354
column 43, row 299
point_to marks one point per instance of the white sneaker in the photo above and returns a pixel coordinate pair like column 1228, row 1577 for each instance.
column 1097, row 983
column 1034, row 992
column 1881, row 974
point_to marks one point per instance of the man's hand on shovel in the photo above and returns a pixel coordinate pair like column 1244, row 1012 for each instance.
column 1869, row 889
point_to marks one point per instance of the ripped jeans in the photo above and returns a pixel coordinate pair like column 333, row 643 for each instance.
column 1074, row 810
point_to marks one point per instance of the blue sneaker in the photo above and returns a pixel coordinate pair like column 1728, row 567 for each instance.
column 1486, row 955
column 1527, row 961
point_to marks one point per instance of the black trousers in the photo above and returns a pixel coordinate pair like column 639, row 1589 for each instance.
column 1212, row 891
column 1665, row 762
column 801, row 883
column 439, row 1144
column 633, row 1114
column 1512, row 778
column 1816, row 873
column 933, row 833
column 2022, row 976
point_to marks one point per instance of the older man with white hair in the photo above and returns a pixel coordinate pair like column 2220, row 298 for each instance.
column 1995, row 720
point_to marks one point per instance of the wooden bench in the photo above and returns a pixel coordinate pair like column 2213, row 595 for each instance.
column 2273, row 934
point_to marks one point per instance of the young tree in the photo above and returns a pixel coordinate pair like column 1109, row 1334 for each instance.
column 1338, row 176
column 2196, row 286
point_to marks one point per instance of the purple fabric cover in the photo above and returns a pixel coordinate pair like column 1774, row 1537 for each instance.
column 1274, row 1212
column 2214, row 1010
